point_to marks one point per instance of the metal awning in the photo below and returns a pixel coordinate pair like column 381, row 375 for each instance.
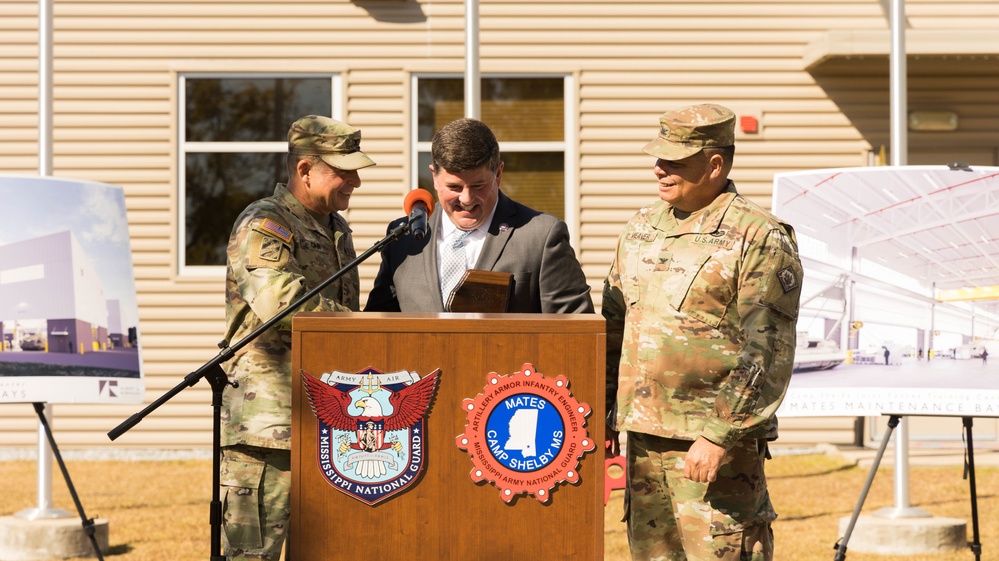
column 919, row 43
column 931, row 223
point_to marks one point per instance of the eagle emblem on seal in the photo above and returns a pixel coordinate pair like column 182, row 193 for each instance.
column 371, row 428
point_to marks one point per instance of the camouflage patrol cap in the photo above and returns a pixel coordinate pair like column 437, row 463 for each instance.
column 338, row 144
column 686, row 131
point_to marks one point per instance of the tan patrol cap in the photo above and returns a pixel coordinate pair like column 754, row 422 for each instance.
column 686, row 131
column 338, row 144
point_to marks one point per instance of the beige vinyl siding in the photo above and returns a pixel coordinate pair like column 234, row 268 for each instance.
column 18, row 88
column 116, row 65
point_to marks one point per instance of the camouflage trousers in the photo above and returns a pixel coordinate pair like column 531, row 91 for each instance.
column 256, row 496
column 671, row 518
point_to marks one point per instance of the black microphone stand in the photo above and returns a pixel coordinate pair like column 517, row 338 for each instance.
column 216, row 376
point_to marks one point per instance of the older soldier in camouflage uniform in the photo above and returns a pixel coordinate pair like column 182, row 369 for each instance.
column 280, row 248
column 701, row 303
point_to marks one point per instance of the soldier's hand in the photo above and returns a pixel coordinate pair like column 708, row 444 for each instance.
column 703, row 461
column 612, row 444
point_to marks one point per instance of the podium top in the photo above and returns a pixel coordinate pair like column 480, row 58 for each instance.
column 448, row 322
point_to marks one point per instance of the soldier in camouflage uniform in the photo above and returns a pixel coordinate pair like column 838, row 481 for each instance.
column 280, row 248
column 701, row 303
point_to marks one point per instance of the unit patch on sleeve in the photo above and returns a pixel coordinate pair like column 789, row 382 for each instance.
column 788, row 280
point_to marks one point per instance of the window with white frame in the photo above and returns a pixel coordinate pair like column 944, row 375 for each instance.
column 528, row 115
column 232, row 148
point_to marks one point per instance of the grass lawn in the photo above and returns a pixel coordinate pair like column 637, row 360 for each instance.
column 158, row 510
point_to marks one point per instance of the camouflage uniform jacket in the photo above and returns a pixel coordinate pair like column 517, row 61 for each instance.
column 701, row 321
column 277, row 252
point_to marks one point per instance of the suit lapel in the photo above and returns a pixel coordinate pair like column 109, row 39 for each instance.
column 498, row 236
column 431, row 271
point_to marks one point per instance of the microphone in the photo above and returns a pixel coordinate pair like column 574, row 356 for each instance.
column 419, row 204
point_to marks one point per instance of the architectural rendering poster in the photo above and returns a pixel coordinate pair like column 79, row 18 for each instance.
column 68, row 312
column 903, row 228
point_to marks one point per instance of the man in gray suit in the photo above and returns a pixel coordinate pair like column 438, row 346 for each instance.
column 487, row 229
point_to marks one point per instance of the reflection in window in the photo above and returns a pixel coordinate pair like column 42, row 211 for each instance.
column 246, row 120
column 250, row 110
column 527, row 114
column 516, row 109
column 535, row 179
column 219, row 187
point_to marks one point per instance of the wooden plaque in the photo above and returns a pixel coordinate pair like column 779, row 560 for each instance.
column 481, row 292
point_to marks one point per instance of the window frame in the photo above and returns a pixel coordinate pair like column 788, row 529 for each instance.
column 568, row 144
column 184, row 148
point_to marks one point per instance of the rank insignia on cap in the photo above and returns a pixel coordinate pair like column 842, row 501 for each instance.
column 788, row 280
column 276, row 229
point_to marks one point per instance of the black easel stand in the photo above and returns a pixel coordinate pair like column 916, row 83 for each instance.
column 969, row 474
column 212, row 370
column 88, row 523
column 840, row 546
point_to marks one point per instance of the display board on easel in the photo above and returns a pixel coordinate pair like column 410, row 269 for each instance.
column 69, row 329
column 889, row 238
column 896, row 234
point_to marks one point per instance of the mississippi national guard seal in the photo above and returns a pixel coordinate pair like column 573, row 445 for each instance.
column 525, row 434
column 371, row 429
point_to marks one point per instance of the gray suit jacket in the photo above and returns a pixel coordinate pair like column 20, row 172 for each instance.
column 531, row 245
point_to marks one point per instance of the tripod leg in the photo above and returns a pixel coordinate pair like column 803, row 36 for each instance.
column 840, row 546
column 975, row 545
column 88, row 523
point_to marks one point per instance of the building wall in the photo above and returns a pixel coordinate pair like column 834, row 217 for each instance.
column 90, row 300
column 115, row 107
column 46, row 263
column 62, row 281
column 79, row 336
column 114, row 317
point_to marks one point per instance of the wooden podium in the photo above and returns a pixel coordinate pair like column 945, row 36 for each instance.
column 444, row 515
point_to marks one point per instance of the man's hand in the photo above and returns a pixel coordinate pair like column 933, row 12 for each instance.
column 612, row 444
column 703, row 460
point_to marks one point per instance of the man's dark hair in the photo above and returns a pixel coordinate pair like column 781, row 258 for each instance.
column 463, row 145
column 726, row 152
column 291, row 161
